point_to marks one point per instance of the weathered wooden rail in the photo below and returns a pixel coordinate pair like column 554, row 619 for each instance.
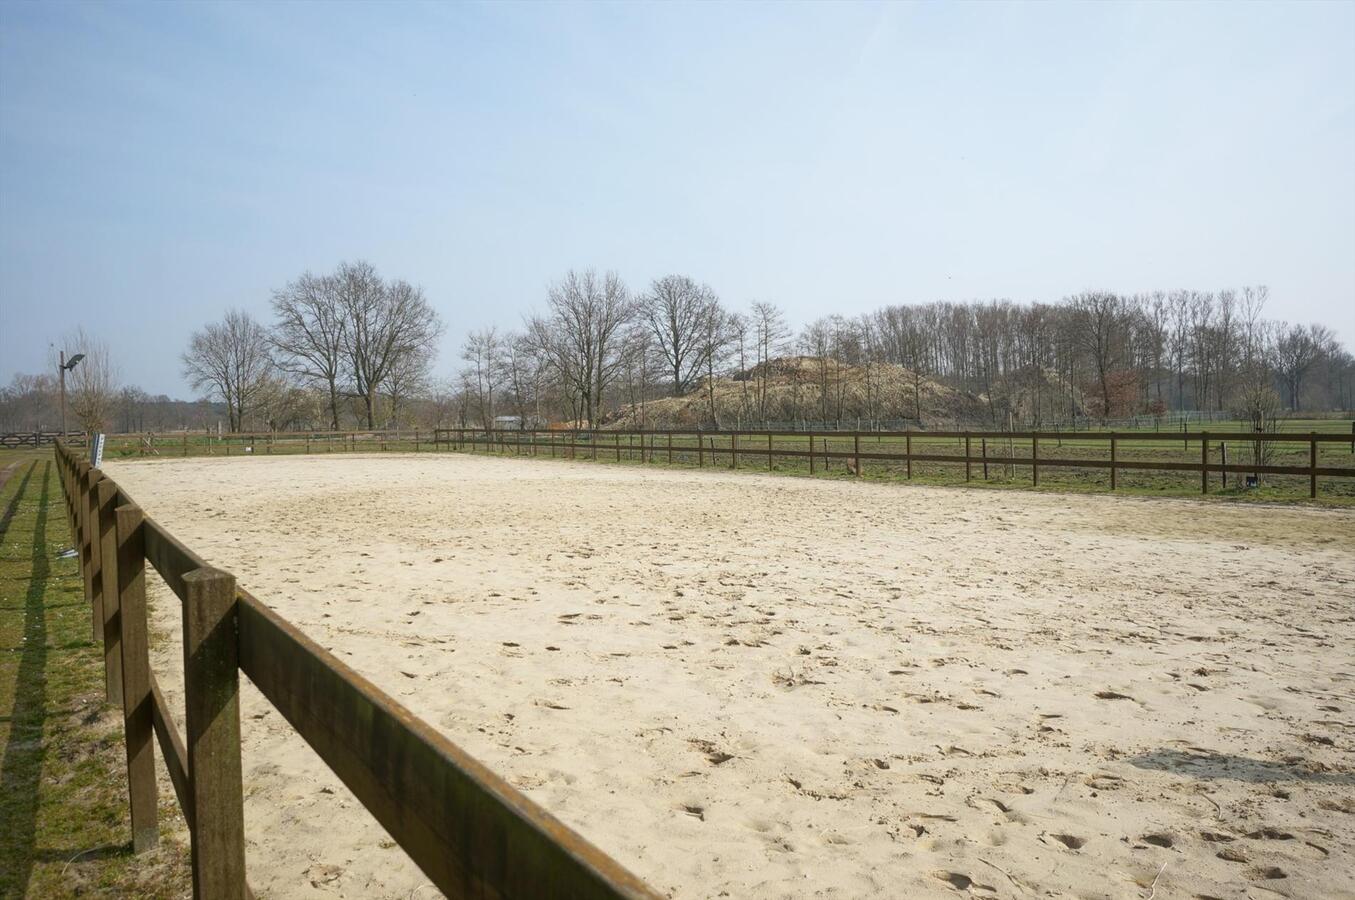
column 470, row 832
column 709, row 447
column 17, row 439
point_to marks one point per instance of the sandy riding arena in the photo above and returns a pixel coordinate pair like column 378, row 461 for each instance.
column 756, row 686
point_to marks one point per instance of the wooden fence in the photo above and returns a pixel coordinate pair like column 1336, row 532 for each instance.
column 470, row 832
column 853, row 450
column 1301, row 459
column 16, row 439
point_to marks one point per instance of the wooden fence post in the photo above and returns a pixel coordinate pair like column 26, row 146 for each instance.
column 84, row 482
column 137, row 717
column 212, row 724
column 983, row 447
column 1034, row 459
column 106, row 545
column 811, row 453
column 1112, row 461
column 1312, row 465
column 700, row 449
column 769, row 451
column 1204, row 462
column 856, row 451
column 733, row 451
column 908, row 452
column 966, row 458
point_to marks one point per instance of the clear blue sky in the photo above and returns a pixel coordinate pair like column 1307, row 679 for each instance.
column 159, row 163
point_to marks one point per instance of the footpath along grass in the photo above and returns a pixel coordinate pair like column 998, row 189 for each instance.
column 64, row 828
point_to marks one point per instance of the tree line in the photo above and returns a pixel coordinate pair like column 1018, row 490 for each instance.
column 352, row 349
column 1096, row 355
column 349, row 343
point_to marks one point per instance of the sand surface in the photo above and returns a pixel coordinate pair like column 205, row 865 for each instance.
column 756, row 686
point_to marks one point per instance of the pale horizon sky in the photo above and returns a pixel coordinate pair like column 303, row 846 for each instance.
column 162, row 163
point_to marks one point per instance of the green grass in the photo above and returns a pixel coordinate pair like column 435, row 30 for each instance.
column 64, row 827
column 752, row 457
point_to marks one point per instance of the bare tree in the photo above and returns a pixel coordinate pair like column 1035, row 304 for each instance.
column 29, row 403
column 583, row 334
column 92, row 386
column 132, row 403
column 483, row 352
column 1100, row 318
column 638, row 367
column 717, row 338
column 230, row 360
column 407, row 380
column 769, row 333
column 383, row 325
column 282, row 404
column 308, row 335
column 1297, row 349
column 524, row 369
column 678, row 312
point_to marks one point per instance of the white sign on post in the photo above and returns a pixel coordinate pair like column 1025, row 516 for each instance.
column 96, row 449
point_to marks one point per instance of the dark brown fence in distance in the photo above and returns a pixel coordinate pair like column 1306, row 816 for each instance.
column 1271, row 453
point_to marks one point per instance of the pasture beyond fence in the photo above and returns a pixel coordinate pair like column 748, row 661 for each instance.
column 470, row 832
column 1282, row 465
column 1013, row 454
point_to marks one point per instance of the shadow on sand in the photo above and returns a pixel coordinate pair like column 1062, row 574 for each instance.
column 1214, row 766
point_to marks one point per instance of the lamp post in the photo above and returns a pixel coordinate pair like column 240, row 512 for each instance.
column 65, row 366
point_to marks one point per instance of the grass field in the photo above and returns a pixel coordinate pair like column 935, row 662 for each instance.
column 63, row 808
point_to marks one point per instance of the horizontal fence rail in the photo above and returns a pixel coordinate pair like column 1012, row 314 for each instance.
column 17, row 439
column 1271, row 453
column 471, row 833
column 1114, row 459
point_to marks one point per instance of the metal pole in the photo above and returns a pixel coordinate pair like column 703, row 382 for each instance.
column 62, row 368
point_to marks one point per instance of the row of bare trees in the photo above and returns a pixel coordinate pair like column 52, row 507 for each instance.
column 31, row 403
column 93, row 389
column 351, row 348
column 597, row 347
column 350, row 340
column 1106, row 355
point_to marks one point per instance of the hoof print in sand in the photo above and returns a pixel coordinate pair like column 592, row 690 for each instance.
column 963, row 882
